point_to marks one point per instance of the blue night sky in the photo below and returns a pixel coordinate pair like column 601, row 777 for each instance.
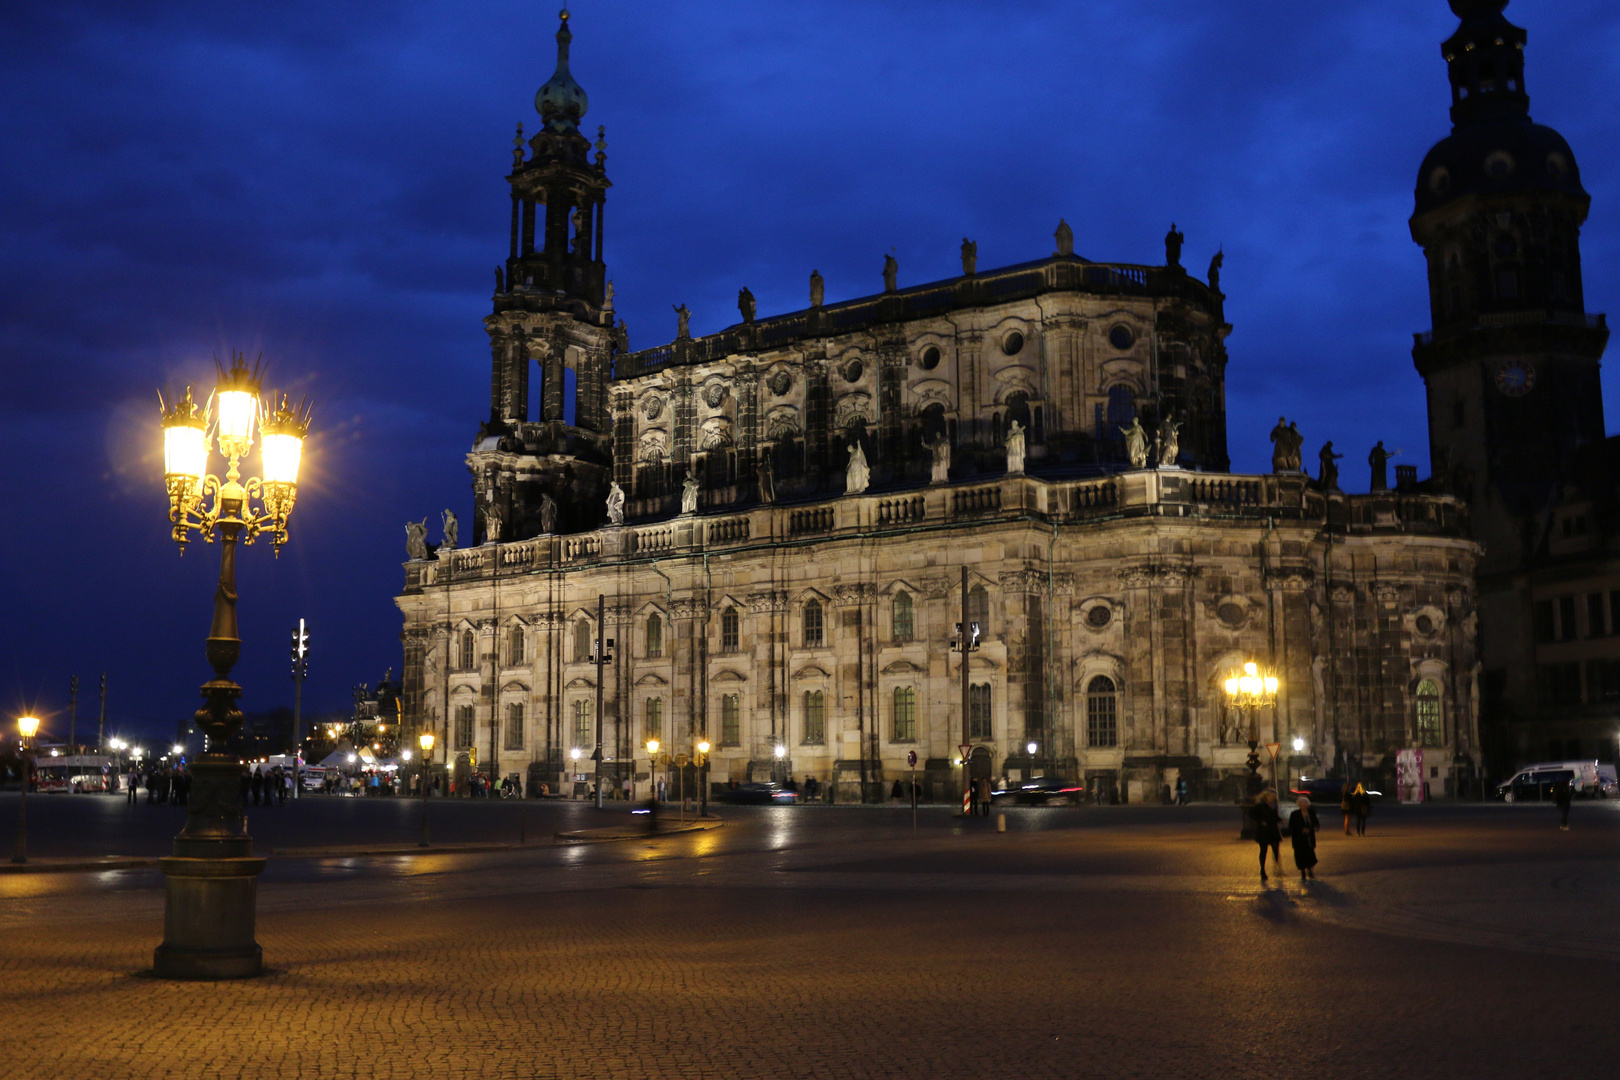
column 323, row 182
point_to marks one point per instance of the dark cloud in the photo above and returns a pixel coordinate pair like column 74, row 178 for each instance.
column 322, row 182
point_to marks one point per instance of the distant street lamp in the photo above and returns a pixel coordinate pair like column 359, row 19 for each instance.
column 703, row 777
column 652, row 768
column 27, row 727
column 1251, row 690
column 425, row 741
column 211, row 880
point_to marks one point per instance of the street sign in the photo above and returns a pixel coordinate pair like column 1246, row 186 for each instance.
column 966, row 750
column 911, row 758
column 1272, row 748
column 681, row 761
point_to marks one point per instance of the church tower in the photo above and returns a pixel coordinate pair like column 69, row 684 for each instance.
column 1511, row 364
column 551, row 332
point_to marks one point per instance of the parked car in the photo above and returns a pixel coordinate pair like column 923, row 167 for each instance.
column 1533, row 784
column 1038, row 791
column 759, row 794
column 1588, row 779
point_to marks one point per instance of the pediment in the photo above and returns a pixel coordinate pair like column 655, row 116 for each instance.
column 728, row 675
column 515, row 687
column 580, row 684
column 901, row 667
column 652, row 679
column 810, row 671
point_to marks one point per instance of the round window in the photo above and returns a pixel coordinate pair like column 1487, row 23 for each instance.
column 853, row 372
column 1557, row 165
column 1013, row 343
column 930, row 358
column 1425, row 625
column 1121, row 338
column 1230, row 614
column 1099, row 616
column 781, row 383
column 1499, row 164
column 1440, row 180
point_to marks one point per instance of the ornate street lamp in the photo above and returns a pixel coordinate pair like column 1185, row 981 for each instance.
column 27, row 728
column 211, row 879
column 1250, row 690
column 425, row 741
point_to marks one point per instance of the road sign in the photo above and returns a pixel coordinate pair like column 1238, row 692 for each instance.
column 1272, row 748
column 681, row 761
column 911, row 758
column 966, row 750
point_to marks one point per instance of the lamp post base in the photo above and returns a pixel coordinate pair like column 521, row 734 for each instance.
column 208, row 919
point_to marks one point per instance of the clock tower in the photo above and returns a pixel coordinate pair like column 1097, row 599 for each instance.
column 1511, row 364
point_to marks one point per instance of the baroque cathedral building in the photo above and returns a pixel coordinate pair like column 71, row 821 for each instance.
column 778, row 530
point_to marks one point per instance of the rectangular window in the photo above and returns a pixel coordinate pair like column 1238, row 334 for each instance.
column 514, row 726
column 1544, row 621
column 731, row 720
column 905, row 714
column 815, row 720
column 655, row 636
column 653, row 720
column 1602, row 680
column 515, row 649
column 1566, row 618
column 1596, row 624
column 812, row 625
column 730, row 623
column 582, row 726
column 1102, row 715
column 979, row 712
column 1558, row 684
column 464, row 727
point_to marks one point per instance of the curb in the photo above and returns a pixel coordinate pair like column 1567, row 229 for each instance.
column 78, row 866
column 402, row 849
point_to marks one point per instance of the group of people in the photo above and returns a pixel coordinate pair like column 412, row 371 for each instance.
column 266, row 786
column 163, row 784
column 1303, row 827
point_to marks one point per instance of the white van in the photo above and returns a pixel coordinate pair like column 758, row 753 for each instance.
column 1586, row 778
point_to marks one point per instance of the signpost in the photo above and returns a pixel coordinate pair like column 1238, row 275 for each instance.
column 1272, row 748
column 911, row 763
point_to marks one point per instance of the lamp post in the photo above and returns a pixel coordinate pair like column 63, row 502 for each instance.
column 575, row 753
column 1251, row 690
column 27, row 727
column 703, row 777
column 780, row 753
column 210, row 882
column 652, row 768
column 966, row 642
column 425, row 741
column 600, row 656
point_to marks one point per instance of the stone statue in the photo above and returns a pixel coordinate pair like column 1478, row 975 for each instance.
column 818, row 288
column 683, row 326
column 856, row 475
column 582, row 242
column 1065, row 238
column 500, row 280
column 1136, row 450
column 621, row 337
column 451, row 527
column 745, row 304
column 940, row 449
column 970, row 257
column 607, row 296
column 891, row 273
column 548, row 513
column 416, row 539
column 1172, row 247
column 492, row 525
column 1329, row 478
column 1379, row 460
column 766, row 475
column 1015, row 448
column 1169, row 443
column 689, row 494
column 615, row 504
column 1296, row 448
column 1215, row 271
column 1279, row 446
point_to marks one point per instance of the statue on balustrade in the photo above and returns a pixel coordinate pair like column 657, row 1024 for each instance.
column 1329, row 477
column 548, row 513
column 451, row 528
column 767, row 477
column 1015, row 448
column 891, row 274
column 1136, row 448
column 615, row 504
column 492, row 525
column 500, row 280
column 940, row 450
column 1172, row 247
column 970, row 257
column 1169, row 443
column 857, row 475
column 745, row 304
column 416, row 539
column 689, row 495
column 1215, row 271
column 1379, row 460
column 683, row 322
column 1065, row 238
column 1287, row 447
column 818, row 288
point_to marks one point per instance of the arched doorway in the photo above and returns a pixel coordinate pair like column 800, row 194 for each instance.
column 979, row 763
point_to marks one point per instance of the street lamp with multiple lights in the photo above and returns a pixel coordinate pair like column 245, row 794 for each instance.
column 1250, row 690
column 211, row 879
column 27, row 728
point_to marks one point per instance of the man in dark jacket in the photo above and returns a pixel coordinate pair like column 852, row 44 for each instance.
column 1561, row 796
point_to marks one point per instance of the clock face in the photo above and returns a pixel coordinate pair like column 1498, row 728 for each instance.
column 1515, row 378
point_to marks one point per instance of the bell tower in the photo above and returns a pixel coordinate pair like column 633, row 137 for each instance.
column 551, row 331
column 1511, row 363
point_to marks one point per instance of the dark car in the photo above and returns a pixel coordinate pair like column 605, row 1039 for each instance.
column 762, row 794
column 1038, row 791
column 1534, row 785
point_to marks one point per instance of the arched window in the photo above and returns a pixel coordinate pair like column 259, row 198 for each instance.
column 902, row 616
column 514, row 647
column 1121, row 411
column 582, row 641
column 1102, row 713
column 464, row 727
column 812, row 625
column 731, row 720
column 582, row 725
column 815, row 719
column 979, row 609
column 905, row 714
column 979, row 724
column 514, row 726
column 1430, row 729
column 655, row 635
column 469, row 650
column 729, row 635
column 653, row 719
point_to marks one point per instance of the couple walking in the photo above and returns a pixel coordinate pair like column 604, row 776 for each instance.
column 1303, row 826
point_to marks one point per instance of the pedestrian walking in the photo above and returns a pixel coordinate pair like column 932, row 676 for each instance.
column 1181, row 791
column 1360, row 807
column 134, row 779
column 1302, row 828
column 1347, row 805
column 1268, row 831
column 1561, row 796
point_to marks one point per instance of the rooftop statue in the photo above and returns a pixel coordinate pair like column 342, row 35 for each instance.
column 970, row 257
column 451, row 528
column 940, row 451
column 492, row 525
column 1379, row 460
column 1015, row 448
column 615, row 504
column 548, row 513
column 1065, row 238
column 1215, row 271
column 857, row 475
column 689, row 495
column 1169, row 443
column 416, row 539
column 745, row 304
column 1136, row 450
column 891, row 274
column 1329, row 478
column 1172, row 247
column 818, row 288
column 683, row 324
column 767, row 478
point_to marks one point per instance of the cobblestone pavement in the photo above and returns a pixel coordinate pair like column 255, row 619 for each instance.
column 1450, row 943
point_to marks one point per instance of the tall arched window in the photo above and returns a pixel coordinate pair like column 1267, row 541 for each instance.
column 469, row 650
column 902, row 616
column 514, row 647
column 514, row 726
column 979, row 609
column 655, row 635
column 1121, row 411
column 464, row 727
column 815, row 717
column 582, row 641
column 1430, row 729
column 582, row 725
column 979, row 722
column 1102, row 713
column 729, row 630
column 653, row 719
column 812, row 625
column 731, row 720
column 905, row 714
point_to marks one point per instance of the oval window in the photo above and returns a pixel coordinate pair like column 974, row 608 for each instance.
column 1499, row 165
column 1013, row 343
column 1425, row 625
column 853, row 372
column 930, row 358
column 1230, row 614
column 1121, row 338
column 1440, row 181
column 1557, row 166
column 1099, row 616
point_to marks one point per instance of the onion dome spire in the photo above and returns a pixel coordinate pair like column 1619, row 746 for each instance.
column 561, row 102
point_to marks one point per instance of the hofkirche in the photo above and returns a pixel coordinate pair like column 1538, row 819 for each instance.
column 778, row 518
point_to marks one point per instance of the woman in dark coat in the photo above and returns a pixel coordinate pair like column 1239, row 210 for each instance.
column 1361, row 806
column 1302, row 829
column 1266, row 831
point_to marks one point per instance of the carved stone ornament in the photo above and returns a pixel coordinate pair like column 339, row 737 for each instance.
column 857, row 593
column 1387, row 592
column 781, row 382
column 1137, row 577
column 766, row 603
column 654, row 446
column 689, row 609
column 652, row 406
column 782, row 422
column 716, row 433
column 937, row 588
column 1290, row 579
column 852, row 407
column 1343, row 594
column 714, row 393
column 1022, row 581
